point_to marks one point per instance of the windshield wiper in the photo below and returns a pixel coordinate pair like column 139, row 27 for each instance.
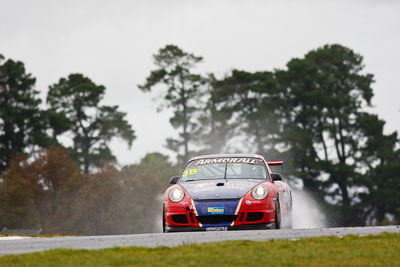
column 226, row 168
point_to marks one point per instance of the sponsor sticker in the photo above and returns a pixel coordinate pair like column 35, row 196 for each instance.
column 215, row 210
column 239, row 185
column 217, row 228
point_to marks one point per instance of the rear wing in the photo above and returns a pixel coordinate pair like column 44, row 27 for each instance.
column 275, row 163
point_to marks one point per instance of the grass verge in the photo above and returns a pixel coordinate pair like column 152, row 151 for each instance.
column 374, row 250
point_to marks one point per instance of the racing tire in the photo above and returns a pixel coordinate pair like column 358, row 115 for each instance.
column 278, row 218
column 163, row 219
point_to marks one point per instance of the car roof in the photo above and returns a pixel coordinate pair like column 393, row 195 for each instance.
column 235, row 155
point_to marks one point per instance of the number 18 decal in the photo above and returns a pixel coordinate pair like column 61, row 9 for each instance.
column 190, row 172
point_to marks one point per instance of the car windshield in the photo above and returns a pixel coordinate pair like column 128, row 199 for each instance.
column 224, row 168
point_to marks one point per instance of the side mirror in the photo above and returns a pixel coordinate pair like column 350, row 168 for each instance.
column 174, row 179
column 276, row 177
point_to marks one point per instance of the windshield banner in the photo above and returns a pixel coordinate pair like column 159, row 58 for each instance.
column 226, row 160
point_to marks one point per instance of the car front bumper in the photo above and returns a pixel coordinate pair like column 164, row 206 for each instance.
column 245, row 215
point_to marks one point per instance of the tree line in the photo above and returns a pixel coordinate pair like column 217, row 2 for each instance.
column 312, row 114
column 53, row 194
column 74, row 111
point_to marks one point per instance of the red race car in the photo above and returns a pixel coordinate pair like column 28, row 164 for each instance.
column 227, row 192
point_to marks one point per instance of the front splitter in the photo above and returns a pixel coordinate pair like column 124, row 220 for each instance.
column 260, row 226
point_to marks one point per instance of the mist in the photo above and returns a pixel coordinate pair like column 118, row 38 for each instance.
column 306, row 211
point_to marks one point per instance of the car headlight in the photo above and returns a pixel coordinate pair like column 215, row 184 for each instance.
column 176, row 195
column 259, row 192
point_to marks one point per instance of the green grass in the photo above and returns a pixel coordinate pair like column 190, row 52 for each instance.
column 374, row 250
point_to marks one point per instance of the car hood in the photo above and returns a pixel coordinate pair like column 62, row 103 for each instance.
column 219, row 189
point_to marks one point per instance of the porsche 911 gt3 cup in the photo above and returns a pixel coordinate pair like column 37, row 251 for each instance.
column 227, row 192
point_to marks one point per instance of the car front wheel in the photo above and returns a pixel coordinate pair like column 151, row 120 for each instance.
column 277, row 215
column 163, row 219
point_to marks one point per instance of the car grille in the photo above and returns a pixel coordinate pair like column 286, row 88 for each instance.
column 254, row 216
column 179, row 218
column 215, row 219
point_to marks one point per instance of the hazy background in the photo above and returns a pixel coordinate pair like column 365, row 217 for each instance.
column 112, row 42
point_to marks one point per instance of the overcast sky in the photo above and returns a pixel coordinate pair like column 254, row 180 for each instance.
column 112, row 42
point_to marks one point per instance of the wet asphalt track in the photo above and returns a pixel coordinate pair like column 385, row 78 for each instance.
column 176, row 239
